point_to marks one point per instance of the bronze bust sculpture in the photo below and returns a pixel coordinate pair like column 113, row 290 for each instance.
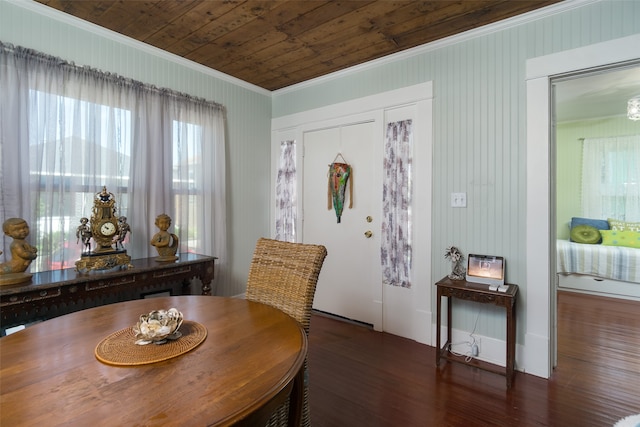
column 22, row 253
column 166, row 243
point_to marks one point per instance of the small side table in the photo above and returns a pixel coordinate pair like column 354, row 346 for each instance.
column 478, row 292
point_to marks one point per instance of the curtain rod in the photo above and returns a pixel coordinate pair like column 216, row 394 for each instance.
column 19, row 50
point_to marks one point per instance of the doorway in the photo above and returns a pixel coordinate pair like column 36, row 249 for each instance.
column 589, row 105
column 540, row 318
column 336, row 129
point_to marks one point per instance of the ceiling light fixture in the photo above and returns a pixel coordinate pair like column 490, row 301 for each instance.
column 633, row 108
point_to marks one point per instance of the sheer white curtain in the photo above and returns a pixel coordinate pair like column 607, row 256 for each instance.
column 611, row 178
column 286, row 201
column 396, row 250
column 67, row 131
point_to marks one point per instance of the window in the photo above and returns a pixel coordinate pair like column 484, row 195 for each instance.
column 76, row 130
column 286, row 193
column 611, row 178
column 187, row 174
column 73, row 145
column 396, row 242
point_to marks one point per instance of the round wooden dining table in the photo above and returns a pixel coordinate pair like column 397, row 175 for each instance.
column 250, row 361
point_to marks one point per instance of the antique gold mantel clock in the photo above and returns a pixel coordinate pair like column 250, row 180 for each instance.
column 104, row 228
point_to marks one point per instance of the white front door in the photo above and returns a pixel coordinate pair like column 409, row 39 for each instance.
column 350, row 284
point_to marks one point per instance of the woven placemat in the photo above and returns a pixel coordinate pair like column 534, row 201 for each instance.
column 120, row 348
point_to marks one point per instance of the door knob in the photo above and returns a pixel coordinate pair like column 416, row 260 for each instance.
column 368, row 234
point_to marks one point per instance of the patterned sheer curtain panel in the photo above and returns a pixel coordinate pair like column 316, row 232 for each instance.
column 286, row 191
column 68, row 131
column 611, row 178
column 396, row 246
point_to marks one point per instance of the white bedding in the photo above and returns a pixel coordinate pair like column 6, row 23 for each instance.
column 610, row 262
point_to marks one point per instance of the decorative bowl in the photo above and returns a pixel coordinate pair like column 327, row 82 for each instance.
column 158, row 326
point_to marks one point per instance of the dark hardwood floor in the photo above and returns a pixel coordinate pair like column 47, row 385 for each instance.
column 359, row 377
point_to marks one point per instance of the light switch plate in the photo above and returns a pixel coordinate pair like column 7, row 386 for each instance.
column 458, row 200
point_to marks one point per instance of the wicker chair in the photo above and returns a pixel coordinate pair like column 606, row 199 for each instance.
column 284, row 275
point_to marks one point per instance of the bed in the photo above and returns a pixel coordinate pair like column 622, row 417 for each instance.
column 599, row 269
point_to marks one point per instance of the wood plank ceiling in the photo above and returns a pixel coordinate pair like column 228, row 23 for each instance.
column 277, row 43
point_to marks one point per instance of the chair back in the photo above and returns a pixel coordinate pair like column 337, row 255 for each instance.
column 284, row 275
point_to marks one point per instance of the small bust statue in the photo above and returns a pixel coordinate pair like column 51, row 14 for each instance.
column 22, row 253
column 166, row 243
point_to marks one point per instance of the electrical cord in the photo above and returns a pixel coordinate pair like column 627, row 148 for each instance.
column 467, row 356
column 473, row 346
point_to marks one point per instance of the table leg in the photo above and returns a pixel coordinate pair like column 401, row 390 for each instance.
column 206, row 288
column 207, row 278
column 511, row 342
column 296, row 398
column 438, row 324
column 449, row 322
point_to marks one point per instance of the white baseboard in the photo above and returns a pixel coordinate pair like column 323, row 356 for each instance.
column 534, row 357
column 422, row 321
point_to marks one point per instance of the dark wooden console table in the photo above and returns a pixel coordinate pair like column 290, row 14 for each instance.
column 477, row 292
column 57, row 292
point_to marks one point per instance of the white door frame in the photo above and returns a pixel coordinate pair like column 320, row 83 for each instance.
column 293, row 126
column 540, row 347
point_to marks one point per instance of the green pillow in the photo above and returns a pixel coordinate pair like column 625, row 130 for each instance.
column 585, row 234
column 616, row 224
column 630, row 239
